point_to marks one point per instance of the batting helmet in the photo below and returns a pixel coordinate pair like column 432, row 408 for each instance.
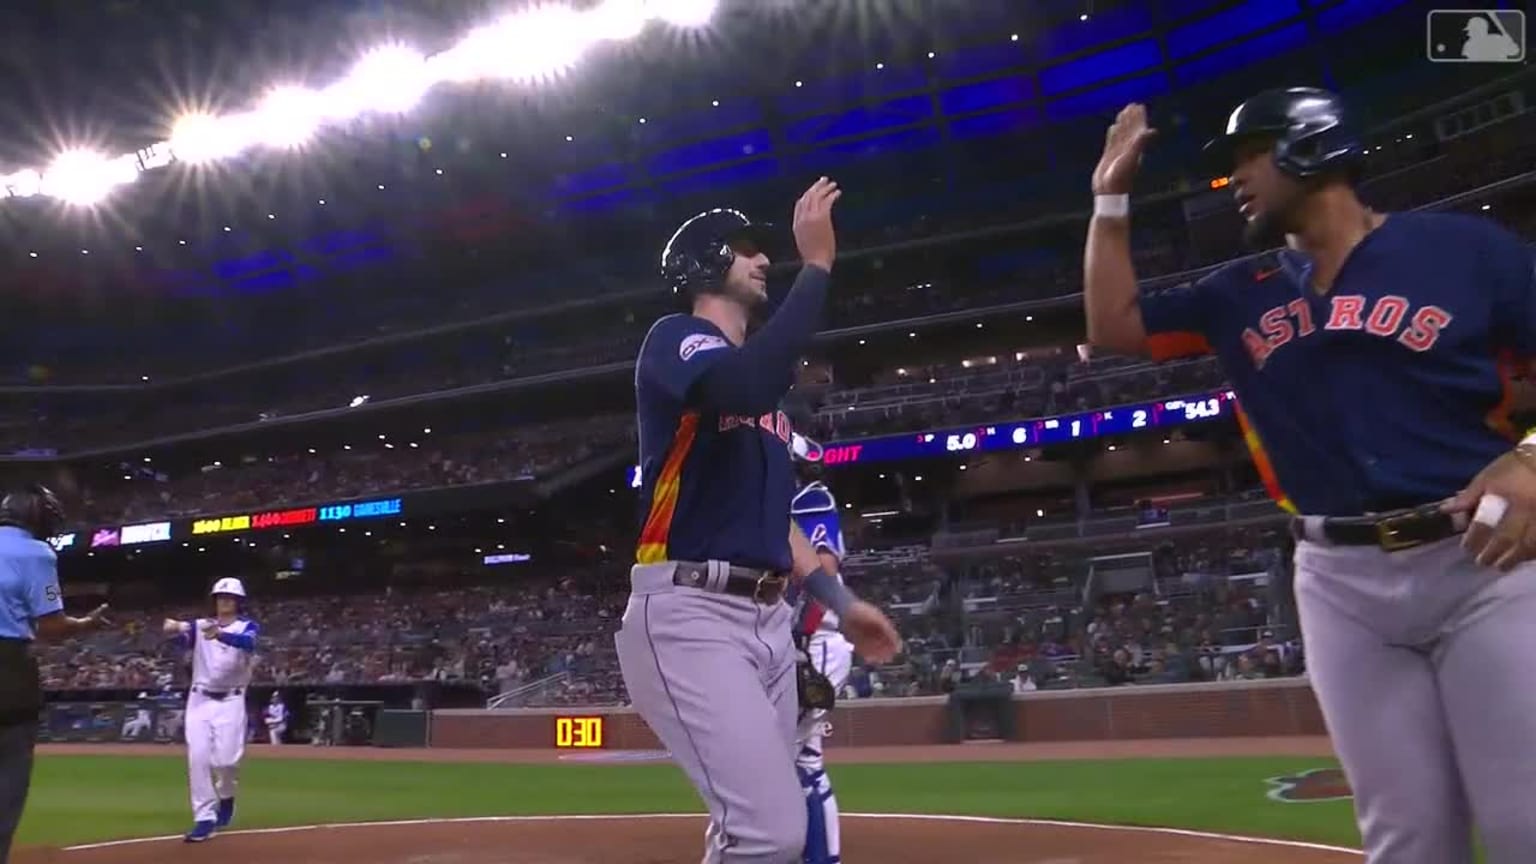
column 34, row 509
column 1310, row 127
column 702, row 249
column 229, row 585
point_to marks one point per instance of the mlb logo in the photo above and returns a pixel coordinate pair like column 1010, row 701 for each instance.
column 1475, row 36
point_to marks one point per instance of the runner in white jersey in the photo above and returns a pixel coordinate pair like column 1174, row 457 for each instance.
column 223, row 656
column 815, row 511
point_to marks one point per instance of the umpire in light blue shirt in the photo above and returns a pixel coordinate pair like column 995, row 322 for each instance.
column 31, row 607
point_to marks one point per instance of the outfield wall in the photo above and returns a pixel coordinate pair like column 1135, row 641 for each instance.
column 1282, row 706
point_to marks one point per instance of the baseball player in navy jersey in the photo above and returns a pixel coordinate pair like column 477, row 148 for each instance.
column 705, row 645
column 223, row 656
column 824, row 649
column 1370, row 356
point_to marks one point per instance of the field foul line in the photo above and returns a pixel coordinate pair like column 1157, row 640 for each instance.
column 609, row 817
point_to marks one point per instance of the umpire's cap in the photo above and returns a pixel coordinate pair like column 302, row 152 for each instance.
column 702, row 249
column 1311, row 129
column 34, row 509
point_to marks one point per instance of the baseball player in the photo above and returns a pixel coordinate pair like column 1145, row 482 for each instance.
column 825, row 649
column 705, row 646
column 1368, row 356
column 223, row 656
column 276, row 718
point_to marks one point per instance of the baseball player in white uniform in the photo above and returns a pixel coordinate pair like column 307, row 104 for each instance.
column 223, row 656
column 276, row 719
column 828, row 651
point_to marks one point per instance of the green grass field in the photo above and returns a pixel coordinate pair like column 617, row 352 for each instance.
column 83, row 798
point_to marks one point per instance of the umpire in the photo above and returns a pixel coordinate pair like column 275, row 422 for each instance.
column 31, row 607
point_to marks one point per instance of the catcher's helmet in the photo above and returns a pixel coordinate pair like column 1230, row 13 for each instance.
column 34, row 509
column 1311, row 129
column 702, row 249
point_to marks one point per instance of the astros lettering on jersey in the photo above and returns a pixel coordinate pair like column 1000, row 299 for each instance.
column 1331, row 386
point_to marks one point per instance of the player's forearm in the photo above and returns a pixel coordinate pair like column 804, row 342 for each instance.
column 243, row 641
column 58, row 626
column 757, row 375
column 806, row 568
column 1110, row 293
column 803, row 557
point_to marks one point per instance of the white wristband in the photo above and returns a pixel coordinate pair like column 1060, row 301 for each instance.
column 1529, row 439
column 1112, row 205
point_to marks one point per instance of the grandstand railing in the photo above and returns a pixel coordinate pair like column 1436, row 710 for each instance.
column 519, row 697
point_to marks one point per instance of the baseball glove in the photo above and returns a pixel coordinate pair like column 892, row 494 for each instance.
column 815, row 689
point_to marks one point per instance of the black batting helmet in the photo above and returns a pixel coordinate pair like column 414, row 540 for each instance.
column 34, row 509
column 1310, row 127
column 702, row 249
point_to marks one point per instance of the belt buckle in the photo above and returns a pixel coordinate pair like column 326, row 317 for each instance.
column 767, row 582
column 1387, row 533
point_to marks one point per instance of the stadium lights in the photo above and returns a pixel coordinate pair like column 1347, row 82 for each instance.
column 525, row 47
column 683, row 13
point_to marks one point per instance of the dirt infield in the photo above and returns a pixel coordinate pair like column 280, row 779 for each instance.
column 885, row 838
column 659, row 839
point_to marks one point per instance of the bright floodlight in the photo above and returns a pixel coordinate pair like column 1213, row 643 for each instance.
column 391, row 79
column 22, row 184
column 527, row 46
column 684, row 13
column 199, row 138
column 85, row 177
column 287, row 117
column 619, row 19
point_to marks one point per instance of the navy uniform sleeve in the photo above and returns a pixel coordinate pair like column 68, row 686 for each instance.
column 1513, row 268
column 691, row 361
column 678, row 350
column 42, row 594
column 1177, row 320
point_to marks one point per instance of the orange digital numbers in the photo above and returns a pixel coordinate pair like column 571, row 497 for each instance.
column 578, row 732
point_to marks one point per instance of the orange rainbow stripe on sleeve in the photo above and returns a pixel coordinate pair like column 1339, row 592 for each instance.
column 652, row 547
column 1261, row 462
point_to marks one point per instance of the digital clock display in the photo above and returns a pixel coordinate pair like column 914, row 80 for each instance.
column 579, row 733
column 1041, row 431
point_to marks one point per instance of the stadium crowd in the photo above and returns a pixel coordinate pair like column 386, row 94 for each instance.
column 442, row 459
column 1201, row 615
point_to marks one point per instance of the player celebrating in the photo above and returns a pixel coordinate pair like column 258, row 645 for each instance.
column 825, row 649
column 705, row 644
column 223, row 656
column 1366, row 356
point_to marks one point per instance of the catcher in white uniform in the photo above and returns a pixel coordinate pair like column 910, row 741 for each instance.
column 223, row 655
column 826, row 651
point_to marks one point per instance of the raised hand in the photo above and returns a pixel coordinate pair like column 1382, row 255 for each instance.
column 814, row 236
column 1124, row 143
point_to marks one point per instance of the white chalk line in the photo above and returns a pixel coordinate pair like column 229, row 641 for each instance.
column 610, row 817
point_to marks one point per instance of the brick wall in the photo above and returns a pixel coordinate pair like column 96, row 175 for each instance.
column 1233, row 709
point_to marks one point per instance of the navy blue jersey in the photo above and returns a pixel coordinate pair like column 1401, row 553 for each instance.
column 1390, row 391
column 714, row 484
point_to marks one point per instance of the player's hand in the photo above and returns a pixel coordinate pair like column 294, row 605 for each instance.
column 171, row 627
column 1124, row 143
column 814, row 236
column 97, row 619
column 211, row 630
column 1501, row 539
column 871, row 633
